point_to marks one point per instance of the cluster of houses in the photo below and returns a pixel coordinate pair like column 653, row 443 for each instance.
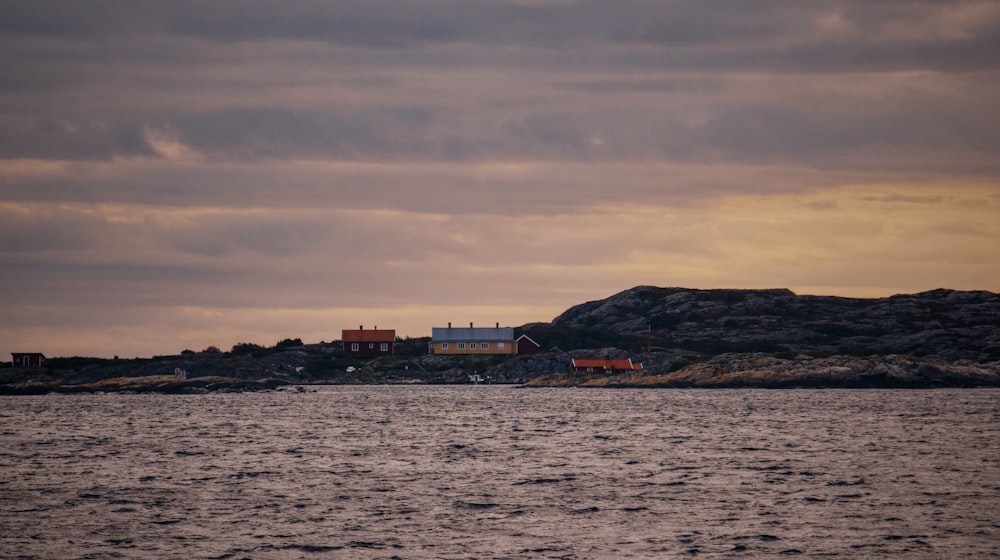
column 448, row 340
column 471, row 340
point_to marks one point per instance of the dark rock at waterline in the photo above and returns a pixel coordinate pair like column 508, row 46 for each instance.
column 163, row 384
column 767, row 371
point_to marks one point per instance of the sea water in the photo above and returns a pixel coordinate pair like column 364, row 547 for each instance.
column 502, row 472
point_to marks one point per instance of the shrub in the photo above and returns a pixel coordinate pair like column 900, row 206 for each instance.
column 255, row 350
column 288, row 343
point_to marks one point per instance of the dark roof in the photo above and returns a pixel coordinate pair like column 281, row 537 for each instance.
column 374, row 335
column 448, row 334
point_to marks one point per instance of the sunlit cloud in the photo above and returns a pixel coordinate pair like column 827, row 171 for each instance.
column 166, row 145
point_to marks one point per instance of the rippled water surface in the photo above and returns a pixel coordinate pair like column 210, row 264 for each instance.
column 501, row 472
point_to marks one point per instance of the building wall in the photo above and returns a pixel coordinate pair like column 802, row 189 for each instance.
column 470, row 341
column 605, row 366
column 525, row 346
column 362, row 348
column 364, row 342
column 603, row 370
column 493, row 347
column 27, row 359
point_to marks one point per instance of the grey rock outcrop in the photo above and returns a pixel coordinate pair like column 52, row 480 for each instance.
column 768, row 371
column 953, row 325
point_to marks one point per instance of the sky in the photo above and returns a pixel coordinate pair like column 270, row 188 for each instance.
column 183, row 174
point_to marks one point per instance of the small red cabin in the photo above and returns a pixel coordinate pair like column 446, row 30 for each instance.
column 623, row 365
column 369, row 343
column 27, row 359
column 525, row 345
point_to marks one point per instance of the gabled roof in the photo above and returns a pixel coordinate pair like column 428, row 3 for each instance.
column 619, row 364
column 531, row 340
column 362, row 335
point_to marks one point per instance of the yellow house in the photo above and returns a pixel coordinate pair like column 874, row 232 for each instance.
column 473, row 340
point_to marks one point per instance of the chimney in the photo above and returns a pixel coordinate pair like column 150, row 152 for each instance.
column 376, row 327
column 470, row 324
column 361, row 327
column 449, row 324
column 498, row 325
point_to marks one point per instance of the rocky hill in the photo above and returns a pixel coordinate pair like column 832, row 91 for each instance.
column 775, row 338
column 951, row 325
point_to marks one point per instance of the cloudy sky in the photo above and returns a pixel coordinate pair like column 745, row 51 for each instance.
column 178, row 174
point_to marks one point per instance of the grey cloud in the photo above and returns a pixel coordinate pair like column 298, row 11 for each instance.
column 749, row 34
column 800, row 133
column 583, row 81
column 510, row 189
column 965, row 55
column 971, row 230
column 118, row 284
column 48, row 136
column 633, row 83
column 772, row 132
column 905, row 198
column 222, row 259
column 373, row 133
column 236, row 236
column 20, row 234
column 616, row 132
column 261, row 236
column 387, row 23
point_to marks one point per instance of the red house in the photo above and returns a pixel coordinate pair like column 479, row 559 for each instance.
column 27, row 359
column 622, row 365
column 369, row 343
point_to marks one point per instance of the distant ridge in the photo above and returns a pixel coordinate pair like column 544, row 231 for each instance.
column 950, row 324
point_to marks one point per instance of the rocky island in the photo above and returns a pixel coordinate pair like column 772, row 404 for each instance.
column 683, row 337
column 775, row 338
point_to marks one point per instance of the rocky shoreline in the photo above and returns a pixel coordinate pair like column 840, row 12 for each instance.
column 770, row 372
column 161, row 384
column 732, row 370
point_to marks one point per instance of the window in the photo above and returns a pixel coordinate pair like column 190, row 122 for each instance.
column 371, row 345
column 500, row 346
column 485, row 346
column 354, row 347
column 385, row 347
column 444, row 345
column 461, row 346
